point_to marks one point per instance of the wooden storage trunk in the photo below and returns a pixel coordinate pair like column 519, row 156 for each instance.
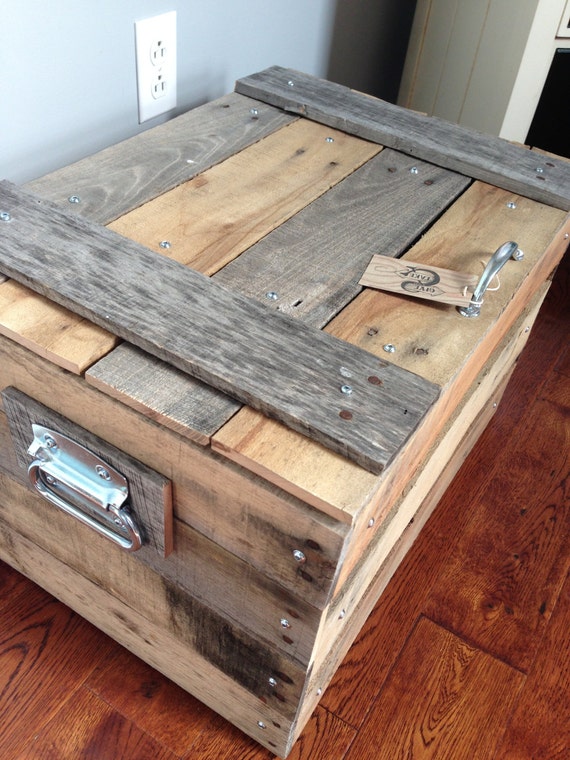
column 187, row 307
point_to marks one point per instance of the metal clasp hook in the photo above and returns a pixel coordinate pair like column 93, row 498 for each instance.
column 508, row 250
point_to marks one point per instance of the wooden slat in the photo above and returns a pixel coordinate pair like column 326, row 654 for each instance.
column 50, row 330
column 211, row 219
column 112, row 183
column 124, row 176
column 433, row 341
column 162, row 392
column 314, row 261
column 472, row 153
column 152, row 641
column 264, row 359
column 237, row 512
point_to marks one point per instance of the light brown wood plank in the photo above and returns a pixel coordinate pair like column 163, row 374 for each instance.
column 443, row 699
column 495, row 604
column 540, row 726
column 50, row 330
column 124, row 176
column 211, row 219
column 107, row 735
column 472, row 153
column 74, row 263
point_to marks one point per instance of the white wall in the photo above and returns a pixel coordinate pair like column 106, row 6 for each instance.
column 68, row 76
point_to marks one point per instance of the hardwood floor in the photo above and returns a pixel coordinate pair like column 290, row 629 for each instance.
column 466, row 656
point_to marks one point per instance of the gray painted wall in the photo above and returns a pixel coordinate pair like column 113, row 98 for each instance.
column 68, row 75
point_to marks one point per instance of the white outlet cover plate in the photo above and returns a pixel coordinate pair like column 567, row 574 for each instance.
column 155, row 40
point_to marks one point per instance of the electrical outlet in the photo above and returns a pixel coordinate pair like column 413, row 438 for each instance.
column 156, row 64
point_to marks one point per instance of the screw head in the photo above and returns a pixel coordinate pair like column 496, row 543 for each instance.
column 390, row 348
column 51, row 480
column 299, row 556
column 346, row 389
column 50, row 442
column 254, row 111
column 371, row 522
column 102, row 472
column 518, row 255
column 5, row 216
column 511, row 204
column 539, row 170
column 273, row 682
column 272, row 295
column 291, row 83
column 261, row 724
column 329, row 139
column 165, row 244
column 414, row 170
column 342, row 614
column 74, row 199
column 285, row 623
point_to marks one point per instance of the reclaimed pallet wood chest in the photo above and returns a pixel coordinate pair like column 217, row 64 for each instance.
column 216, row 444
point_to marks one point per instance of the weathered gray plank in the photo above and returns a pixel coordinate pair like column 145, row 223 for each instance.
column 150, row 494
column 265, row 359
column 124, row 176
column 162, row 392
column 472, row 153
column 314, row 261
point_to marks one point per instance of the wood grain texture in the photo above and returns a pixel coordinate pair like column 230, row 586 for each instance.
column 540, row 726
column 497, row 607
column 150, row 494
column 50, row 330
column 432, row 704
column 431, row 340
column 211, row 219
column 222, row 612
column 228, row 341
column 234, row 510
column 124, row 176
column 162, row 393
column 313, row 262
column 107, row 735
column 472, row 153
column 31, row 629
column 146, row 639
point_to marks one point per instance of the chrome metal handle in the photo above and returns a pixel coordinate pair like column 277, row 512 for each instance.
column 83, row 485
column 509, row 250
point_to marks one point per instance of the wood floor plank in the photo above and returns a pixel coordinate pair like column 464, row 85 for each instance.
column 444, row 699
column 46, row 653
column 540, row 727
column 325, row 738
column 86, row 728
column 160, row 708
column 472, row 153
column 500, row 586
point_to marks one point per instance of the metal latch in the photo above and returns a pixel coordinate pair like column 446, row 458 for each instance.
column 509, row 250
column 82, row 484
